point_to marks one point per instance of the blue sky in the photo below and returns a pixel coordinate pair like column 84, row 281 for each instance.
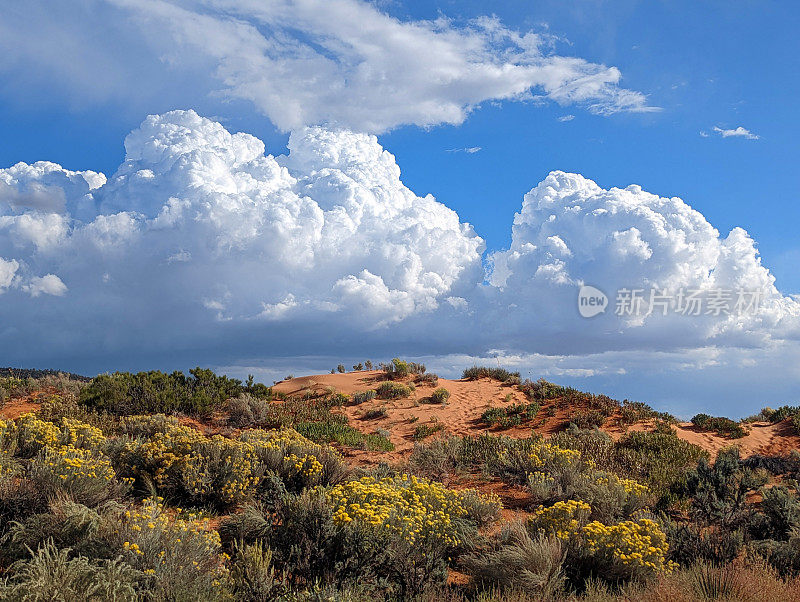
column 708, row 68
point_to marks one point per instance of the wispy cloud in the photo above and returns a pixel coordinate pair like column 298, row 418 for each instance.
column 471, row 150
column 738, row 132
column 299, row 63
column 566, row 118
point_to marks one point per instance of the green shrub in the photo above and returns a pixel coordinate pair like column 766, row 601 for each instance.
column 587, row 420
column 509, row 416
column 123, row 393
column 247, row 410
column 440, row 396
column 660, row 460
column 423, row 431
column 635, row 411
column 392, row 390
column 362, row 397
column 53, row 574
column 254, row 578
column 724, row 427
column 719, row 490
column 476, row 372
column 427, row 379
column 518, row 560
column 781, row 508
column 690, row 543
column 332, row 432
column 376, row 413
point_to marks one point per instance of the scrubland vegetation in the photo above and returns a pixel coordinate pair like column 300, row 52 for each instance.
column 157, row 486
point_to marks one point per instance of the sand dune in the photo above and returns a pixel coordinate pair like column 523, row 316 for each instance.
column 469, row 399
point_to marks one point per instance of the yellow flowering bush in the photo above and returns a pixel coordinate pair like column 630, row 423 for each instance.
column 172, row 547
column 404, row 505
column 33, row 435
column 181, row 460
column 633, row 547
column 79, row 434
column 545, row 455
column 8, row 436
column 87, row 475
column 221, row 469
column 296, row 459
column 562, row 519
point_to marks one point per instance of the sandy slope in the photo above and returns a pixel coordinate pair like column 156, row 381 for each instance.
column 469, row 399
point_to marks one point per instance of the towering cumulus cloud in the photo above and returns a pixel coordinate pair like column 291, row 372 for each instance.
column 200, row 223
column 204, row 248
column 571, row 232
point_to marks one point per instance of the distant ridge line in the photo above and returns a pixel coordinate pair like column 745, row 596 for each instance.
column 34, row 373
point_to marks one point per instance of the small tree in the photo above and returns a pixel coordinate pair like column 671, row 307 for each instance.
column 341, row 368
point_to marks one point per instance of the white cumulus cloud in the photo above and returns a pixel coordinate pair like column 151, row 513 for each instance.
column 49, row 284
column 738, row 132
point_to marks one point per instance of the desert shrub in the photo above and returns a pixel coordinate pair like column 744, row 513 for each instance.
column 690, row 543
column 418, row 524
column 714, row 582
column 429, row 378
column 660, row 460
column 593, row 444
column 8, row 437
column 123, row 393
column 85, row 475
column 66, row 524
column 298, row 461
column 340, row 369
column 635, row 411
column 392, row 390
column 330, row 432
column 476, row 372
column 361, row 397
column 525, row 457
column 287, row 413
column 33, row 435
column 542, row 390
column 423, row 431
column 587, row 420
column 621, row 551
column 781, row 414
column 247, row 410
column 719, row 490
column 181, row 462
column 724, row 427
column 518, row 560
column 375, row 413
column 440, row 396
column 54, row 574
column 561, row 520
column 399, row 369
column 509, row 416
column 253, row 576
column 480, row 508
column 180, row 555
column 416, row 509
column 56, row 407
column 783, row 556
column 626, row 550
column 781, row 509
